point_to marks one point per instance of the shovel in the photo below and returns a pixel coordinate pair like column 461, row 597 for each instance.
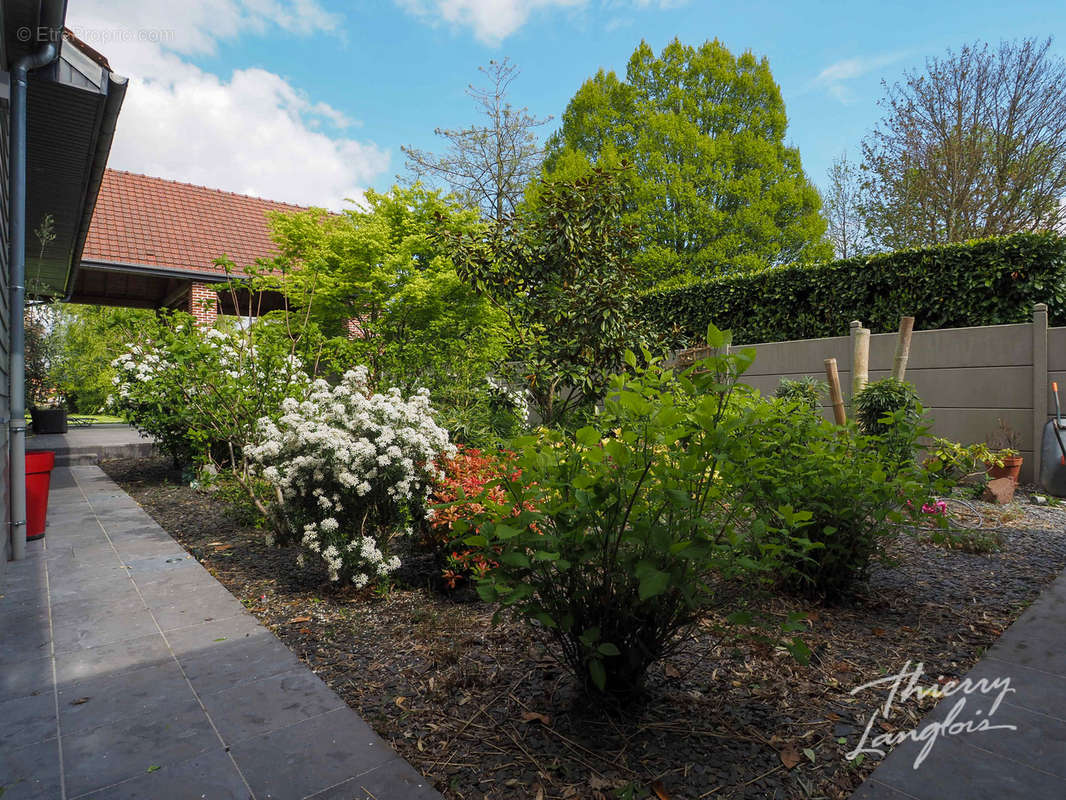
column 1058, row 422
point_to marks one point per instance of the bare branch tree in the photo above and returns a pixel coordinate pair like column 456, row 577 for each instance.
column 842, row 207
column 488, row 165
column 974, row 146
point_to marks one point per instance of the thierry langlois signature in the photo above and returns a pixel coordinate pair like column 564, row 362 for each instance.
column 905, row 684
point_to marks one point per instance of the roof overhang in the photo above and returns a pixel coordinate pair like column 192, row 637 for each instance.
column 115, row 283
column 72, row 108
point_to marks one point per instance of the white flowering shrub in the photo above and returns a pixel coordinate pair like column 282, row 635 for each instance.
column 200, row 391
column 351, row 468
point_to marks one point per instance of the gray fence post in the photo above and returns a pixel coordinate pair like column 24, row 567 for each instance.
column 1040, row 385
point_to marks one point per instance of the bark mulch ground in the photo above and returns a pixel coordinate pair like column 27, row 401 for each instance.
column 484, row 712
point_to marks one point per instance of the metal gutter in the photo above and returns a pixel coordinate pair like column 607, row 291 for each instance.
column 17, row 264
column 17, row 260
column 151, row 271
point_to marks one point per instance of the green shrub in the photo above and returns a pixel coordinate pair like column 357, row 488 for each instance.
column 623, row 529
column 891, row 411
column 200, row 391
column 840, row 478
column 984, row 282
column 807, row 391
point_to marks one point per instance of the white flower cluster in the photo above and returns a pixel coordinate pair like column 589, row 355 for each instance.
column 513, row 398
column 350, row 466
column 197, row 386
column 230, row 356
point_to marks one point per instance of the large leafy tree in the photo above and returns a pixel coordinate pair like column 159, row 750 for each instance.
column 87, row 340
column 972, row 146
column 377, row 280
column 716, row 187
column 560, row 270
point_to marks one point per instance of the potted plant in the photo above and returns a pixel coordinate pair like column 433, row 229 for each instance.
column 1004, row 459
column 49, row 419
column 47, row 409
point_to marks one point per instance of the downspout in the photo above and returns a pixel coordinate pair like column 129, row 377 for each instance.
column 17, row 259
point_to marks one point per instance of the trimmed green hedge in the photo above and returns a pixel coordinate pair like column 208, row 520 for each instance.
column 982, row 282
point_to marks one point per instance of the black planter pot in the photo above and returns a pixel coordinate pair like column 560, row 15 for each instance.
column 49, row 420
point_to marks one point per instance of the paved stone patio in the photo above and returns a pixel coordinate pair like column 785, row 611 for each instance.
column 1027, row 763
column 127, row 671
column 87, row 445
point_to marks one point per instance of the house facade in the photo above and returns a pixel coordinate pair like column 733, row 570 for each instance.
column 154, row 243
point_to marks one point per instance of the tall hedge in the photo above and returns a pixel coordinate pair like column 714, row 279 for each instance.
column 983, row 282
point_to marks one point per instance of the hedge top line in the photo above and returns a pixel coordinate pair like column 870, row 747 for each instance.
column 990, row 281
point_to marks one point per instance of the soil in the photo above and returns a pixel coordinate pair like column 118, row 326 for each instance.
column 484, row 712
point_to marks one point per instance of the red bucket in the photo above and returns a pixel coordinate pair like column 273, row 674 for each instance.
column 38, row 475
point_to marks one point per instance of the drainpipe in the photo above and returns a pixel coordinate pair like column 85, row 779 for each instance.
column 17, row 260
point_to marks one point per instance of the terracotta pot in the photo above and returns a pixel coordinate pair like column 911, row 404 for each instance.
column 1012, row 466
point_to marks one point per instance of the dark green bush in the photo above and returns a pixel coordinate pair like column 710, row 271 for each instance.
column 807, row 391
column 984, row 282
column 890, row 410
column 623, row 532
column 836, row 475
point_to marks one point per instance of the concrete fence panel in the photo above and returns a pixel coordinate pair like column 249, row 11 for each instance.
column 968, row 378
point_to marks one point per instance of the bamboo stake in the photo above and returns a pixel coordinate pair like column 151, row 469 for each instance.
column 860, row 358
column 903, row 347
column 833, row 377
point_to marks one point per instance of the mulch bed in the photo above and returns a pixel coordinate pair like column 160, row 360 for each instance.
column 484, row 712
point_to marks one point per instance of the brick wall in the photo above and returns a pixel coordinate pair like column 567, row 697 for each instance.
column 203, row 304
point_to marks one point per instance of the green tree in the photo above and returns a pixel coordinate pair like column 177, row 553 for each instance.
column 972, row 146
column 561, row 271
column 379, row 283
column 88, row 339
column 716, row 187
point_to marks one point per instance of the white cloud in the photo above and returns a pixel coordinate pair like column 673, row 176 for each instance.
column 252, row 131
column 492, row 21
column 834, row 78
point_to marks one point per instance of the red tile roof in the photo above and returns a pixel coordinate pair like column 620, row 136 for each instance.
column 161, row 223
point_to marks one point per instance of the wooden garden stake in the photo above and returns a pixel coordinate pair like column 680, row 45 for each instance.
column 833, row 377
column 903, row 347
column 860, row 357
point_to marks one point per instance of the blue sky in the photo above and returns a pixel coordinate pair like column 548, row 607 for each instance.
column 310, row 100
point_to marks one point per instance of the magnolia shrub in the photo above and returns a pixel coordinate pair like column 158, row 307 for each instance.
column 351, row 468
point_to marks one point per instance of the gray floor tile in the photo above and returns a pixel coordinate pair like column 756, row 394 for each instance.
column 106, row 699
column 92, row 588
column 128, row 749
column 111, row 659
column 955, row 769
column 30, row 773
column 25, row 637
column 211, row 776
column 121, row 622
column 197, row 608
column 23, row 678
column 28, row 719
column 231, row 662
column 1033, row 689
column 252, row 709
column 176, row 585
column 164, row 567
column 393, row 779
column 310, row 756
column 198, row 639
